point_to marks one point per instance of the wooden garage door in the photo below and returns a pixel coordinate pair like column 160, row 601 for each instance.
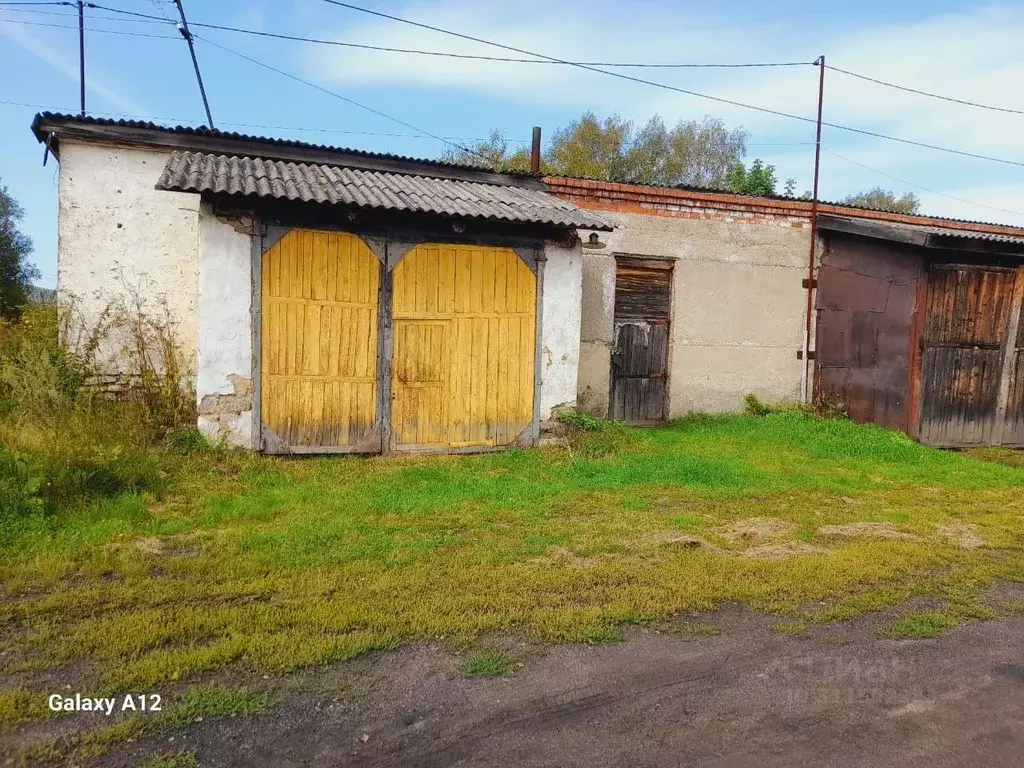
column 319, row 361
column 464, row 340
column 967, row 322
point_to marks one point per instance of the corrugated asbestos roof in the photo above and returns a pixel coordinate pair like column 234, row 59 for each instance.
column 204, row 132
column 260, row 177
column 921, row 234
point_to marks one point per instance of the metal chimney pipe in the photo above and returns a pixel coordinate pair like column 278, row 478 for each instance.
column 535, row 151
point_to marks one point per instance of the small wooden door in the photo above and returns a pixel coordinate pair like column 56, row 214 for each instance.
column 643, row 289
column 969, row 355
column 464, row 340
column 318, row 389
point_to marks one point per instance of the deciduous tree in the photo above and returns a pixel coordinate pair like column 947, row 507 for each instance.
column 885, row 200
column 16, row 273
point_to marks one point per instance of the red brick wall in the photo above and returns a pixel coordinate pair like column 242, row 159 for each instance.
column 720, row 206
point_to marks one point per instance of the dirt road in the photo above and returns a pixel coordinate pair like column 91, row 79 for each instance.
column 838, row 696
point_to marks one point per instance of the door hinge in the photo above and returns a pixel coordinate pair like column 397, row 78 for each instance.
column 803, row 283
column 800, row 354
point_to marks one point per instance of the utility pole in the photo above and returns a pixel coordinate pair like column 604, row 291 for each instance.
column 81, row 53
column 183, row 29
column 806, row 385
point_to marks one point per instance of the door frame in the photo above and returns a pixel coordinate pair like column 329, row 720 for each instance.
column 390, row 247
column 670, row 267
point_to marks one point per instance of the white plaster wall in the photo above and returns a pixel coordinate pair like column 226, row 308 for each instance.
column 596, row 331
column 737, row 309
column 560, row 328
column 118, row 235
column 224, row 329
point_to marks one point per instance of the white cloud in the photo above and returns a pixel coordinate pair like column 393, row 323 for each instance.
column 68, row 67
column 973, row 54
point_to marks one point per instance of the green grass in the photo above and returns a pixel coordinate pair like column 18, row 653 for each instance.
column 270, row 565
column 790, row 629
column 491, row 662
column 918, row 626
column 179, row 759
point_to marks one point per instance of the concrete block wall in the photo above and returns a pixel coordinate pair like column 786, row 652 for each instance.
column 738, row 306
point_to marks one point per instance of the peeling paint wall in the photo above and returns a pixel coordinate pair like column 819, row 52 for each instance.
column 117, row 236
column 560, row 328
column 224, row 386
column 737, row 317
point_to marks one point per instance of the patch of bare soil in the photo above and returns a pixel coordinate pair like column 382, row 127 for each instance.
column 783, row 550
column 867, row 531
column 680, row 540
column 964, row 535
column 756, row 529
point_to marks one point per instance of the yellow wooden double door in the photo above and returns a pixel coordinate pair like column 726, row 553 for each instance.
column 462, row 352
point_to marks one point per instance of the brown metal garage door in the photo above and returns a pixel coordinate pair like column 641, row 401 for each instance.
column 970, row 390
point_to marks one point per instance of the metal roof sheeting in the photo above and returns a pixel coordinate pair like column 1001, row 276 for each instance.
column 260, row 177
column 922, row 234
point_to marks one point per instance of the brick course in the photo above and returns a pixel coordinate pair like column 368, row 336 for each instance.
column 722, row 206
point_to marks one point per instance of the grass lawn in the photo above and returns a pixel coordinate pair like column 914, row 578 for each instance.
column 261, row 566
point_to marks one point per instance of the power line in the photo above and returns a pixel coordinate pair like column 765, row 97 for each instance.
column 125, row 32
column 918, row 186
column 346, row 99
column 590, row 66
column 308, row 129
column 926, row 93
column 474, row 57
column 631, row 78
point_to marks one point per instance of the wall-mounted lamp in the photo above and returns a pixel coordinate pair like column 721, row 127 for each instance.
column 458, row 227
column 594, row 243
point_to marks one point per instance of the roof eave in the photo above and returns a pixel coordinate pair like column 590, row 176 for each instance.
column 44, row 126
column 905, row 233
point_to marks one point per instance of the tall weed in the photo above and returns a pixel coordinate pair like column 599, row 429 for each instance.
column 63, row 441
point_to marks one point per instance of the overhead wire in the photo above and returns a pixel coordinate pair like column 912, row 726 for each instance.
column 631, row 78
column 180, row 120
column 126, row 32
column 926, row 93
column 590, row 66
column 447, row 54
column 919, row 186
column 346, row 99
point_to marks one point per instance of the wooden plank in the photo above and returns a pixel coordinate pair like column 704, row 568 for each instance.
column 1005, row 408
column 460, row 378
column 321, row 352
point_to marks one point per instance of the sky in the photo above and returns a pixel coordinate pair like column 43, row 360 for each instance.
column 141, row 68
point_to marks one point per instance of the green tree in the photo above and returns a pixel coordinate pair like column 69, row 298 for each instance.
column 758, row 179
column 885, row 200
column 16, row 273
column 492, row 153
column 692, row 153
